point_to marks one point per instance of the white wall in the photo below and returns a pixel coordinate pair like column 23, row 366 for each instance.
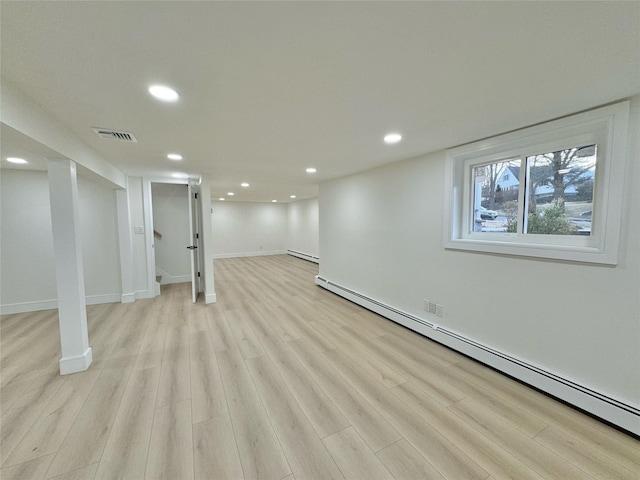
column 381, row 235
column 27, row 271
column 99, row 232
column 171, row 220
column 248, row 228
column 303, row 227
column 27, row 267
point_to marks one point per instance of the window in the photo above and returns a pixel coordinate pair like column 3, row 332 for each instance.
column 553, row 190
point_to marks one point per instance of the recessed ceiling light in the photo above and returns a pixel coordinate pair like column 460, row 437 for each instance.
column 174, row 156
column 244, row 184
column 274, row 201
column 311, row 170
column 163, row 93
column 292, row 196
column 392, row 138
column 20, row 161
column 221, row 199
column 231, row 194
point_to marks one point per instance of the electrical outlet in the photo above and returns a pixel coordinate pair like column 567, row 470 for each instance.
column 426, row 305
column 438, row 310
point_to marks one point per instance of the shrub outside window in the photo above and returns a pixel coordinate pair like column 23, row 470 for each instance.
column 552, row 191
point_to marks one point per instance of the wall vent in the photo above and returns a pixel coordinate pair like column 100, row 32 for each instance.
column 115, row 134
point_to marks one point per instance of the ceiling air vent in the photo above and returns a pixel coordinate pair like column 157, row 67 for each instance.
column 115, row 135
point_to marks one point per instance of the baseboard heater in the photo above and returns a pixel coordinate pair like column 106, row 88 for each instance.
column 304, row 256
column 620, row 414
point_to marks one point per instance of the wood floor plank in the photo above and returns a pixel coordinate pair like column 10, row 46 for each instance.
column 378, row 369
column 405, row 462
column 175, row 373
column 539, row 458
column 215, row 452
column 34, row 469
column 354, row 458
column 280, row 324
column 490, row 456
column 136, row 320
column 441, row 453
column 14, row 424
column 84, row 473
column 156, row 360
column 611, row 442
column 207, row 394
column 51, row 428
column 171, row 448
column 302, row 447
column 125, row 454
column 243, row 333
column 260, row 452
column 152, row 346
column 325, row 417
column 220, row 331
column 416, row 372
column 582, row 455
column 85, row 442
column 40, row 389
column 372, row 427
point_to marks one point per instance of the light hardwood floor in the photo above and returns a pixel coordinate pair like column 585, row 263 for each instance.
column 278, row 380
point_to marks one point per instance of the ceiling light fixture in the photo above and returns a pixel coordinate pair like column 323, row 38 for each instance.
column 292, row 196
column 163, row 93
column 19, row 161
column 231, row 194
column 221, row 199
column 311, row 170
column 244, row 184
column 274, row 201
column 174, row 156
column 392, row 138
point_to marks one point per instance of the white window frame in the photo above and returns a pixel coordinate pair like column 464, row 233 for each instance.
column 605, row 126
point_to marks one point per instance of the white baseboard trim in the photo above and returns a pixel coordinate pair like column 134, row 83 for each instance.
column 11, row 308
column 167, row 278
column 144, row 294
column 76, row 364
column 99, row 299
column 617, row 412
column 210, row 298
column 249, row 254
column 304, row 256
column 128, row 297
column 178, row 279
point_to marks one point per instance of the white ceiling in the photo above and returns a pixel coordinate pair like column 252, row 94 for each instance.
column 270, row 88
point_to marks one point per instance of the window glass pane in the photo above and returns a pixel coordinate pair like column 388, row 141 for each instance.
column 560, row 191
column 495, row 195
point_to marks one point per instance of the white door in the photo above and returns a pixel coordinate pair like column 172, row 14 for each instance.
column 194, row 231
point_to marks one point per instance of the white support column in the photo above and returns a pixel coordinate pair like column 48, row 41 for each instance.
column 206, row 233
column 67, row 247
column 126, row 248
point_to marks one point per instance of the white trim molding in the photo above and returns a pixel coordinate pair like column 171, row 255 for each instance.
column 250, row 254
column 210, row 298
column 304, row 256
column 168, row 278
column 36, row 306
column 605, row 127
column 612, row 410
column 76, row 364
